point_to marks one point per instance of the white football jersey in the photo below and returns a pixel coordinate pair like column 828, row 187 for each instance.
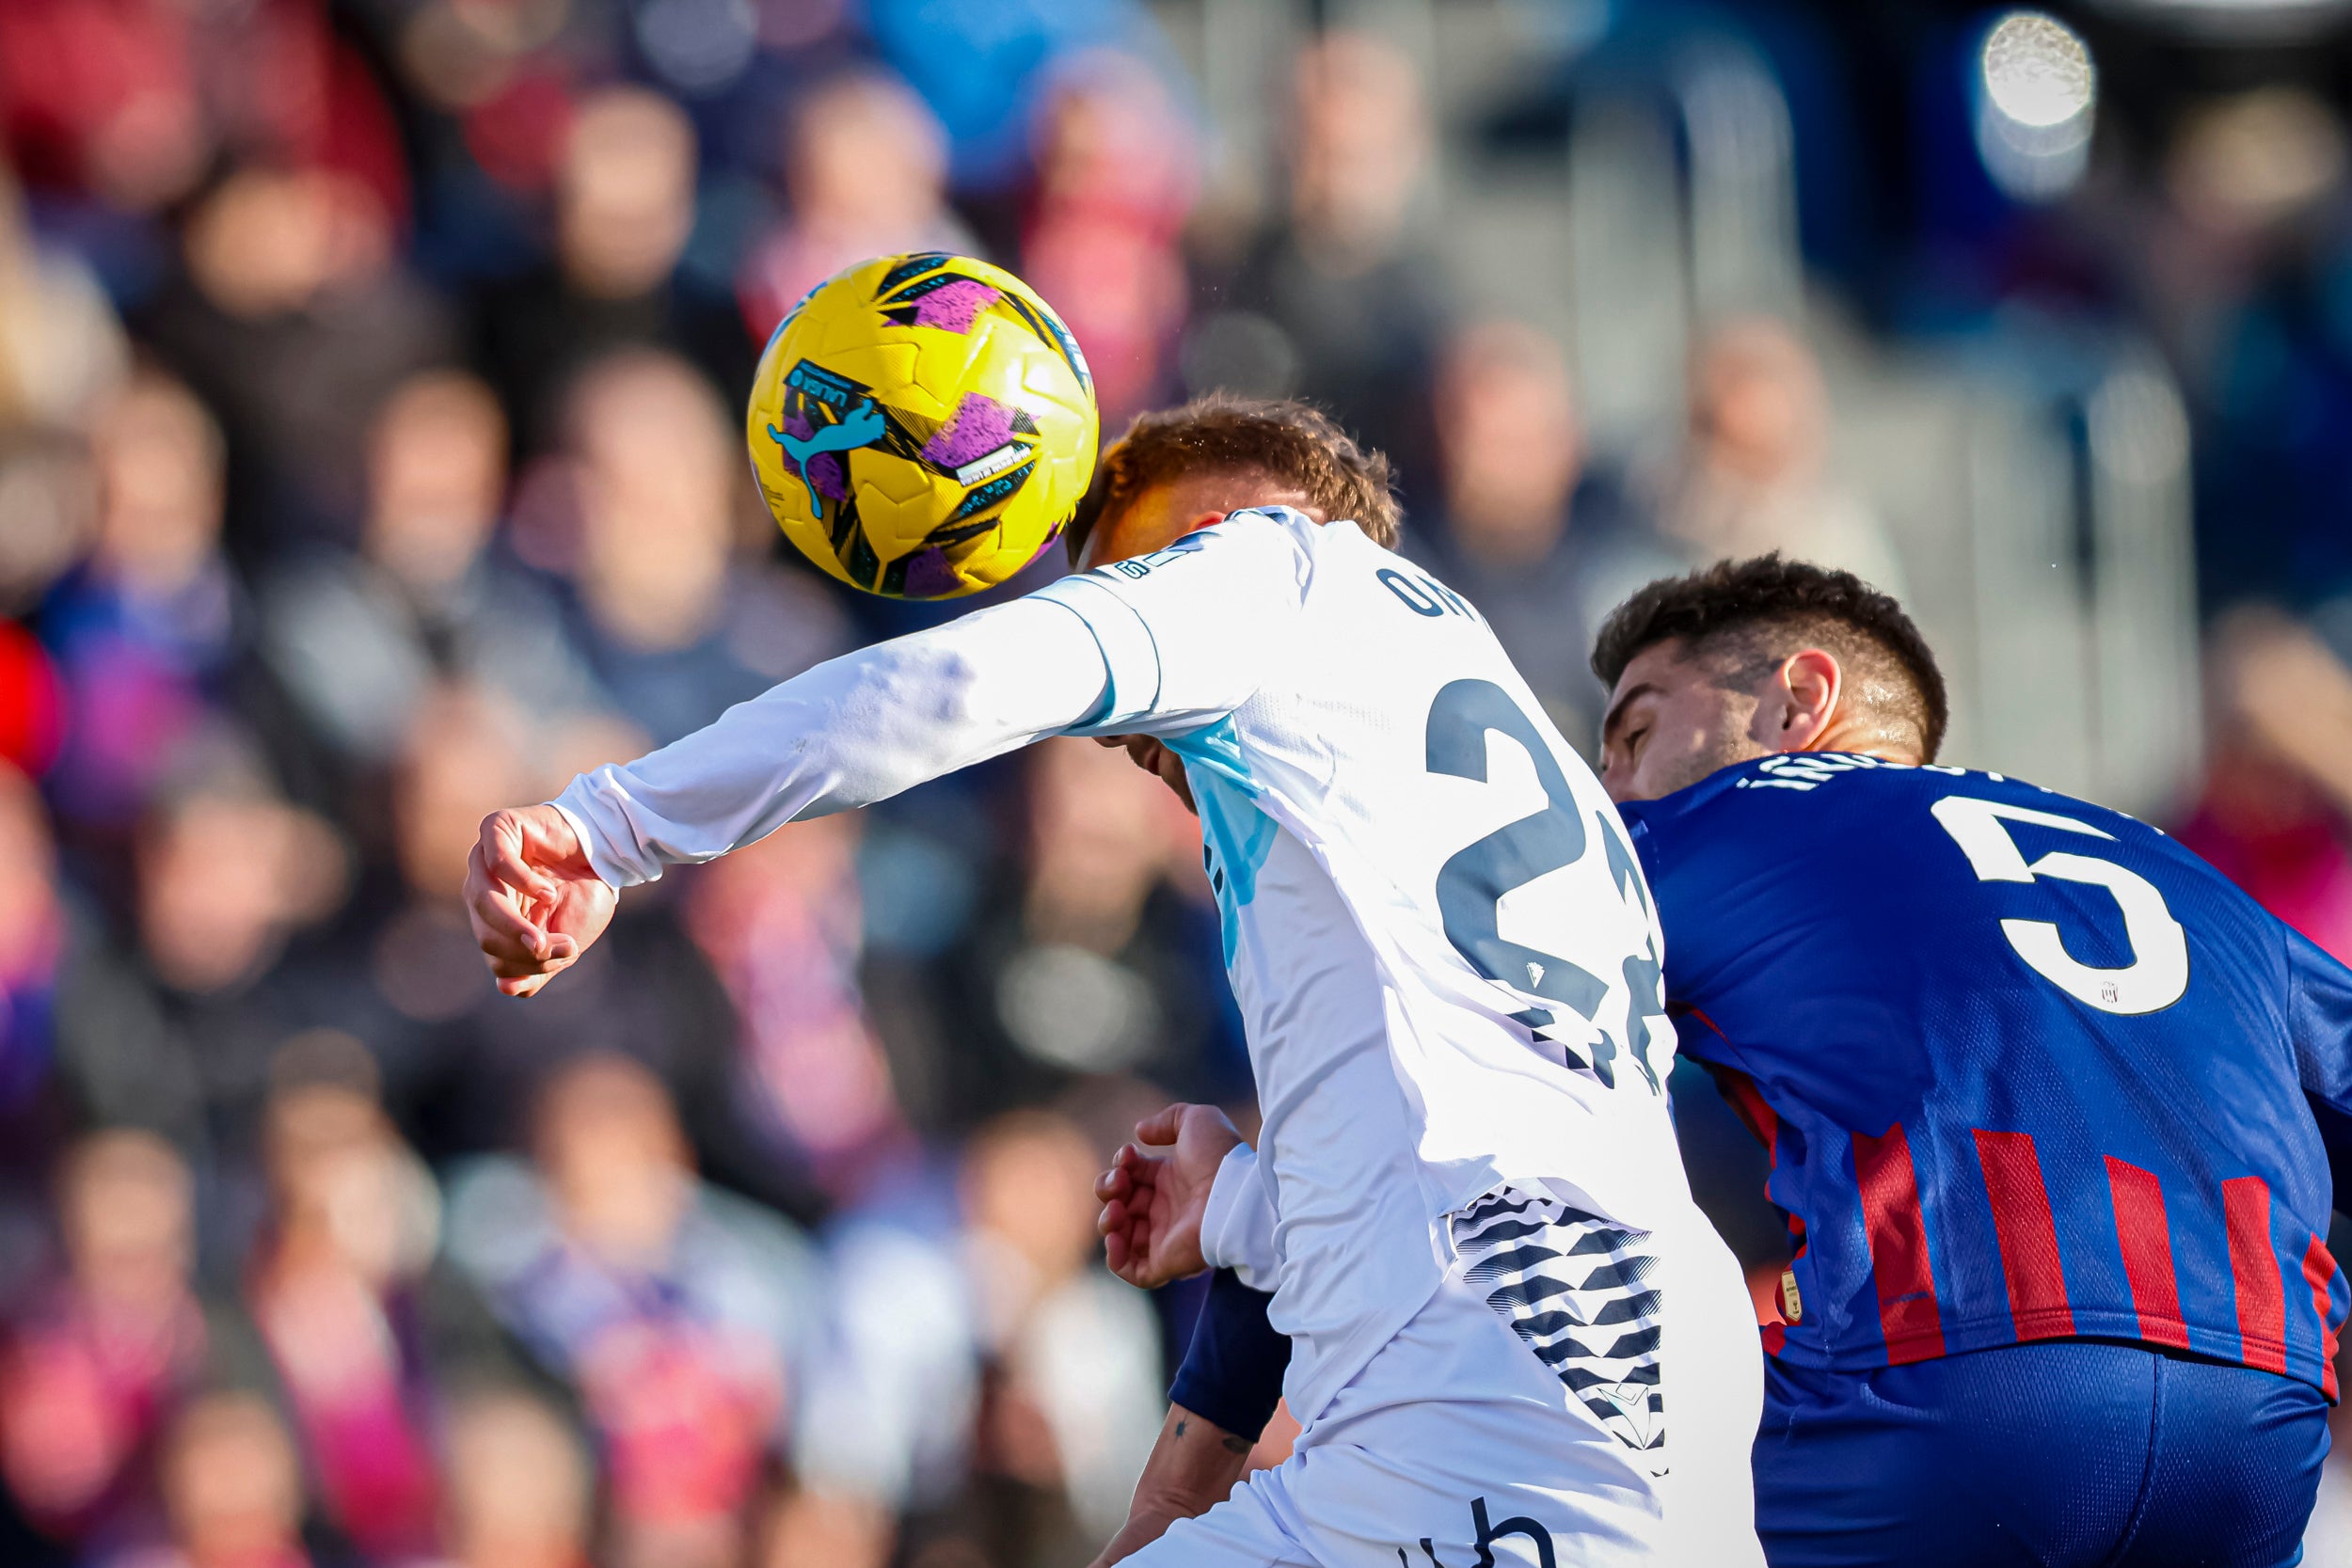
column 1445, row 955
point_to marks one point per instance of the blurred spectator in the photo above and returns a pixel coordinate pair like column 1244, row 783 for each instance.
column 624, row 206
column 885, row 1417
column 1542, row 545
column 32, row 942
column 865, row 172
column 459, row 1058
column 681, row 1315
column 104, row 99
column 675, row 627
column 1115, row 183
column 146, row 627
column 227, row 872
column 98, row 1356
column 49, row 494
column 2278, row 794
column 335, row 1290
column 32, row 700
column 457, row 59
column 294, row 317
column 60, row 347
column 519, row 1485
column 779, row 921
column 233, row 1489
column 980, row 67
column 1336, row 302
column 460, row 1061
column 175, row 1029
column 2252, row 270
column 520, row 1489
column 131, row 100
column 819, row 1529
column 1753, row 476
column 1075, row 1400
column 357, row 640
column 1108, row 959
column 464, row 747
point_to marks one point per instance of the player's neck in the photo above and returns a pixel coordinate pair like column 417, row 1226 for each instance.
column 1862, row 740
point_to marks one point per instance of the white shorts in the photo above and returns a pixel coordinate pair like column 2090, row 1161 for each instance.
column 1459, row 1446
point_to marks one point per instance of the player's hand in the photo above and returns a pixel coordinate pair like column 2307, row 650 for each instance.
column 535, row 902
column 1157, row 1190
column 1157, row 760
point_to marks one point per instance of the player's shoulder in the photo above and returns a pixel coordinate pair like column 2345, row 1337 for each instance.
column 1850, row 790
column 1805, row 803
column 1823, row 776
column 1855, row 785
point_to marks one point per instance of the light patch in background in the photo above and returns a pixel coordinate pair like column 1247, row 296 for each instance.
column 698, row 46
column 1238, row 351
column 1077, row 1009
column 2037, row 96
column 2258, row 158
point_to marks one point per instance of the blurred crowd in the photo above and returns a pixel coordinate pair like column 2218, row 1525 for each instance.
column 369, row 459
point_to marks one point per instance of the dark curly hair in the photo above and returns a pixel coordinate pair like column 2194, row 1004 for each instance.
column 1293, row 443
column 1760, row 611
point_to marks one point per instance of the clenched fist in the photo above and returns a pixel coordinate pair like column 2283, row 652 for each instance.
column 535, row 902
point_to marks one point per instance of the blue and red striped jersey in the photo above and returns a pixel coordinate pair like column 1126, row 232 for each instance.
column 2026, row 1068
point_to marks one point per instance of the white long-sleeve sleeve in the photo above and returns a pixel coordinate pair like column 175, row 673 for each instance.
column 1157, row 645
column 850, row 732
column 1237, row 1228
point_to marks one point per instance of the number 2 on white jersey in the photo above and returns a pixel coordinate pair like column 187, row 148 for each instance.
column 2156, row 977
column 1472, row 882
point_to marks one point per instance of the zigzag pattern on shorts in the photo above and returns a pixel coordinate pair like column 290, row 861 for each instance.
column 1581, row 1291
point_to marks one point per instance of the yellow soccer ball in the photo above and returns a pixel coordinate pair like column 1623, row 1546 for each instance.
column 923, row 426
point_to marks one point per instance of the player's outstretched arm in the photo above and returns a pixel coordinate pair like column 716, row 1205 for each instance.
column 850, row 732
column 1156, row 1193
column 1193, row 1468
column 535, row 902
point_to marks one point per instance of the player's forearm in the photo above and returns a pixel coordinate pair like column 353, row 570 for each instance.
column 1234, row 1369
column 852, row 731
column 1194, row 1467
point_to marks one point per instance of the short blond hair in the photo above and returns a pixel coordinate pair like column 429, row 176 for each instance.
column 1293, row 444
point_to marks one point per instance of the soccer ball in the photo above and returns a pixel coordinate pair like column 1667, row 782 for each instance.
column 922, row 426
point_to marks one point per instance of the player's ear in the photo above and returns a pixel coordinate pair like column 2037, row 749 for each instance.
column 1807, row 687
